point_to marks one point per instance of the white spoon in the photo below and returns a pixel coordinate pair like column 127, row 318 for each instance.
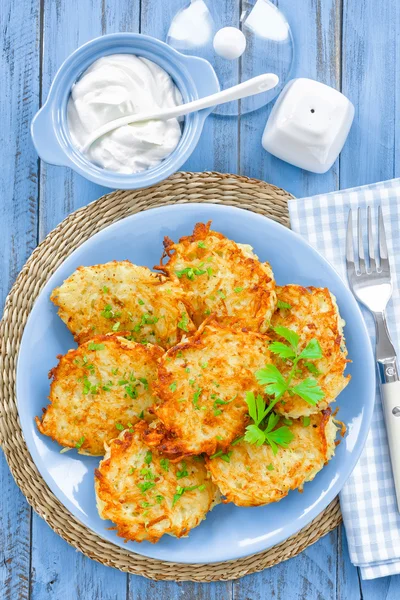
column 256, row 85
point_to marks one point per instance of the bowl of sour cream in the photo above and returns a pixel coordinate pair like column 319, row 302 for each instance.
column 111, row 77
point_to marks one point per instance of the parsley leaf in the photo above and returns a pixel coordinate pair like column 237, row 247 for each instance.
column 201, row 245
column 288, row 334
column 312, row 351
column 312, row 368
column 282, row 350
column 279, row 437
column 272, row 378
column 254, row 435
column 309, row 390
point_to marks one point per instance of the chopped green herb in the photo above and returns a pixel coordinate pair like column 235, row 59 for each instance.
column 284, row 305
column 207, row 312
column 184, row 322
column 181, row 490
column 79, row 443
column 187, row 370
column 173, row 386
column 144, row 487
column 109, row 313
column 141, row 302
column 159, row 498
column 201, row 245
column 148, row 458
column 105, row 289
column 183, row 472
column 164, row 463
column 306, row 421
column 131, row 391
column 141, row 414
column 237, row 290
column 270, row 467
column 204, row 365
column 93, row 346
column 209, row 271
column 226, row 457
column 145, row 382
column 131, row 470
column 196, row 397
column 114, row 371
column 119, row 426
column 116, row 326
column 221, row 294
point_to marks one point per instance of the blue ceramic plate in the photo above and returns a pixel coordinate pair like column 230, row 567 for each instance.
column 229, row 532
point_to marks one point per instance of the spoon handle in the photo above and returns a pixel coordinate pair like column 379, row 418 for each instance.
column 251, row 87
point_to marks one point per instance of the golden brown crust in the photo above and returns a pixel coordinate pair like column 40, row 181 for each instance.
column 313, row 314
column 120, row 296
column 254, row 476
column 101, row 386
column 135, row 489
column 202, row 383
column 225, row 278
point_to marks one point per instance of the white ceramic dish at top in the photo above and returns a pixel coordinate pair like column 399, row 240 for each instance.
column 229, row 532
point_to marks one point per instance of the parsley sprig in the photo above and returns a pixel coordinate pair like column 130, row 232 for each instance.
column 276, row 384
column 255, row 434
column 263, row 429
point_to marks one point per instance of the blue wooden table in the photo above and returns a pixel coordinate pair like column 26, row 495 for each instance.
column 353, row 45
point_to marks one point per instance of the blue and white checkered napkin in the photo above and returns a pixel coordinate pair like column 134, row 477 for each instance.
column 368, row 499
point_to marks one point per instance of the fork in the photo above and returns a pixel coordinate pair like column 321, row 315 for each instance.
column 371, row 283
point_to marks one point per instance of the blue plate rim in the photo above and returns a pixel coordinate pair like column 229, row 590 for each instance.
column 301, row 521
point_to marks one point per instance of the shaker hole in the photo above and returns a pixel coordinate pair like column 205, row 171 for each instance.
column 312, row 110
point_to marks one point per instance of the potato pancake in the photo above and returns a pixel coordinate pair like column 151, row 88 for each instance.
column 120, row 296
column 221, row 277
column 202, row 383
column 146, row 495
column 251, row 475
column 98, row 389
column 311, row 313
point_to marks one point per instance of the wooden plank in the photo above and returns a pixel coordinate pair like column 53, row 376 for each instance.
column 316, row 31
column 370, row 79
column 58, row 571
column 19, row 67
column 370, row 43
column 310, row 575
column 143, row 589
column 348, row 581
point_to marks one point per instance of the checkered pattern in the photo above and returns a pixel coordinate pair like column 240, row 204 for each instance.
column 368, row 499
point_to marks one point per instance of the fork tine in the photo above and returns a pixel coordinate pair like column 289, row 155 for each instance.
column 350, row 246
column 383, row 251
column 361, row 257
column 371, row 246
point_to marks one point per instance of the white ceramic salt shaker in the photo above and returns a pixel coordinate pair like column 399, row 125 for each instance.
column 308, row 125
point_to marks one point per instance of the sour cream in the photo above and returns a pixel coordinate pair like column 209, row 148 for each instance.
column 116, row 86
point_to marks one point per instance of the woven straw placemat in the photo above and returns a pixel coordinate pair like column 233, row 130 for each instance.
column 216, row 188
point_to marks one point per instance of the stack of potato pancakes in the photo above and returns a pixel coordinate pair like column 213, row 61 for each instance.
column 200, row 382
